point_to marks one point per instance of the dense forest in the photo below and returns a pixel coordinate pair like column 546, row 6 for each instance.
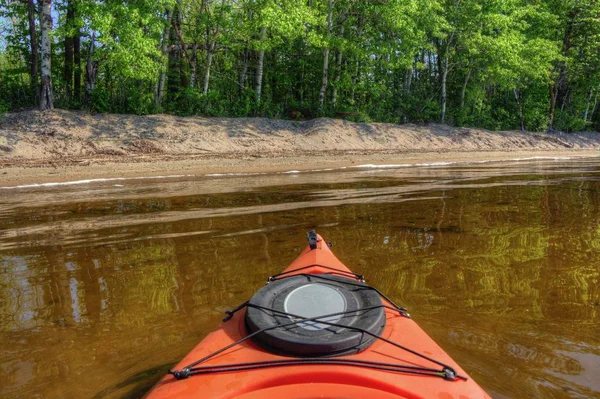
column 497, row 64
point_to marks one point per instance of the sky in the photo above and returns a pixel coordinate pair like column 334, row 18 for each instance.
column 5, row 25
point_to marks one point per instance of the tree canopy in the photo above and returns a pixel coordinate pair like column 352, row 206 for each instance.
column 498, row 64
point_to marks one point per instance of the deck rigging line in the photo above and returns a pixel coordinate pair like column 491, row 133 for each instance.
column 196, row 368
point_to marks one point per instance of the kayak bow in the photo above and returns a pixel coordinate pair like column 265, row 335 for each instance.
column 317, row 330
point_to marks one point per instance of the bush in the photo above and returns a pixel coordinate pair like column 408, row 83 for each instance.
column 191, row 101
column 566, row 122
column 141, row 103
column 4, row 107
column 100, row 100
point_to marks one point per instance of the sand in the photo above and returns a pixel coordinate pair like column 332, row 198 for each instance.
column 60, row 146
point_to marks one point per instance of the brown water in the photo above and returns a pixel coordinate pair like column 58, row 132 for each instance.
column 104, row 286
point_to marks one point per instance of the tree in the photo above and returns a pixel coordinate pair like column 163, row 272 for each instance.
column 69, row 53
column 575, row 72
column 124, row 38
column 325, row 75
column 499, row 64
column 160, row 85
column 33, row 65
column 46, row 97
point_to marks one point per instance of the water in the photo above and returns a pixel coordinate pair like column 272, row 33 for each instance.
column 103, row 286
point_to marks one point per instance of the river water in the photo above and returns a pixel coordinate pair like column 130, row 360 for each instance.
column 105, row 285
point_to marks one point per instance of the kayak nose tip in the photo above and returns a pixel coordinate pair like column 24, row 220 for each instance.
column 312, row 238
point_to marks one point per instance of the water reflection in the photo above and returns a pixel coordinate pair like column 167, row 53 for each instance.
column 102, row 289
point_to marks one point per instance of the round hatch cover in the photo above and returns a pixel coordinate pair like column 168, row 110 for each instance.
column 307, row 296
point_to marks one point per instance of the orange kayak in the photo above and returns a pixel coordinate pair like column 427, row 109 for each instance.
column 317, row 330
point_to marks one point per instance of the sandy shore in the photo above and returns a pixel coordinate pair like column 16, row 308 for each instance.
column 26, row 175
column 63, row 146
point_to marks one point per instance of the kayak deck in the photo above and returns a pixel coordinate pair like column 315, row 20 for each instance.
column 358, row 375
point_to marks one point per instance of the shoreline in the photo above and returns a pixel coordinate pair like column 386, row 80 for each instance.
column 73, row 146
column 42, row 174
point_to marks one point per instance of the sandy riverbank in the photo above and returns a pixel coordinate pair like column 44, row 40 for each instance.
column 59, row 146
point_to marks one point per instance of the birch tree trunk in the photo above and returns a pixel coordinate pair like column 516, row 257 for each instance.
column 91, row 71
column 338, row 63
column 259, row 65
column 46, row 98
column 553, row 96
column 209, row 57
column 33, row 68
column 520, row 107
column 334, row 94
column 194, row 66
column 464, row 89
column 408, row 81
column 355, row 80
column 587, row 106
column 564, row 101
column 444, row 83
column 324, row 79
column 323, row 90
column 408, row 77
column 160, row 86
column 244, row 71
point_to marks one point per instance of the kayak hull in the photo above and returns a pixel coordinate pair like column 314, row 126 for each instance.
column 324, row 381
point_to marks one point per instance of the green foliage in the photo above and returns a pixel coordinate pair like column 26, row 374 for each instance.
column 535, row 108
column 566, row 121
column 126, row 34
column 191, row 101
column 101, row 100
column 4, row 107
column 386, row 59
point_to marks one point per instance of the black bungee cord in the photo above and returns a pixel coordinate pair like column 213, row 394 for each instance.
column 359, row 277
column 446, row 372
